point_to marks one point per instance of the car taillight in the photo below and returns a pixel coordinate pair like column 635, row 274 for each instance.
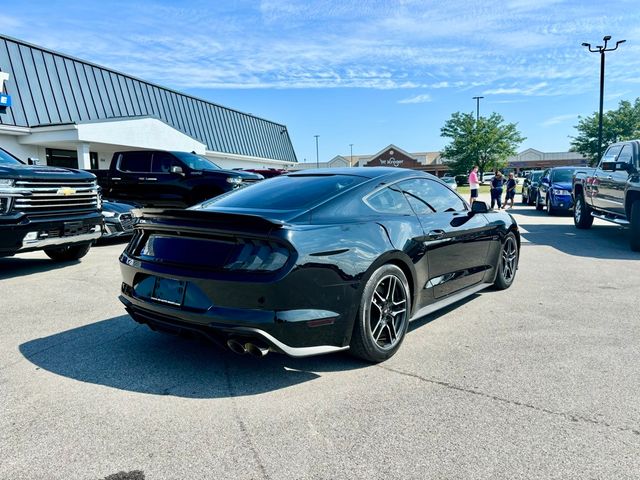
column 259, row 255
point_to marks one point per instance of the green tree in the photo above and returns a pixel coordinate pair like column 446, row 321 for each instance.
column 487, row 142
column 620, row 124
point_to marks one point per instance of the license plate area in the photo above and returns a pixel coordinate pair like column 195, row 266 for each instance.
column 168, row 291
column 73, row 228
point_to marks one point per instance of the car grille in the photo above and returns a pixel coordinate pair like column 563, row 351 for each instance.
column 50, row 196
column 127, row 221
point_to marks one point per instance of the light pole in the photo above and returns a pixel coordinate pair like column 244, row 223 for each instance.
column 351, row 159
column 601, row 49
column 477, row 99
column 317, row 156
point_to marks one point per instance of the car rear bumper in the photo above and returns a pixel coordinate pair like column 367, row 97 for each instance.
column 276, row 313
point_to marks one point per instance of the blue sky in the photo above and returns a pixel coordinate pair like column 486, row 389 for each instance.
column 364, row 72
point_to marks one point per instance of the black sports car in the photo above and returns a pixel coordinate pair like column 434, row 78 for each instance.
column 316, row 262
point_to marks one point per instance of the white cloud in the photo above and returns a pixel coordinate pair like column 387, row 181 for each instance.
column 423, row 98
column 559, row 119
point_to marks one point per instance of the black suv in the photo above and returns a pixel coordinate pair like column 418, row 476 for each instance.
column 530, row 187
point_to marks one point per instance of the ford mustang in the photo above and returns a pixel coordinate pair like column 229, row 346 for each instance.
column 315, row 262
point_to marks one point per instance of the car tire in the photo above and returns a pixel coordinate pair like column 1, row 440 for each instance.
column 539, row 205
column 634, row 240
column 550, row 210
column 582, row 218
column 507, row 263
column 66, row 254
column 383, row 317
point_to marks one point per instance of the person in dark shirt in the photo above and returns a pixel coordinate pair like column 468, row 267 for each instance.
column 511, row 191
column 496, row 190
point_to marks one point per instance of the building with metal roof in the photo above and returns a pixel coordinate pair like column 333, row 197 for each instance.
column 70, row 112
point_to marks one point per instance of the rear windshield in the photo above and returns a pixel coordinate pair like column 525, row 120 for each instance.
column 564, row 176
column 8, row 159
column 287, row 192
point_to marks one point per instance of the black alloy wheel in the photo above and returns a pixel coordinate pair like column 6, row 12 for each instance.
column 383, row 317
column 582, row 213
column 508, row 262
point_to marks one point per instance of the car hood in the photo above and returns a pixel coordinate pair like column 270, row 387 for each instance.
column 117, row 207
column 43, row 172
column 562, row 185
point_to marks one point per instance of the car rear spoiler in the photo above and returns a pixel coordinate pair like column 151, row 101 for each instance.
column 202, row 218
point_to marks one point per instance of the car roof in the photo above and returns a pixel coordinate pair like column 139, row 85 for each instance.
column 366, row 172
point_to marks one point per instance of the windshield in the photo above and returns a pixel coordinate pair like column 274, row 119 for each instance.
column 535, row 177
column 287, row 192
column 196, row 162
column 562, row 176
column 7, row 159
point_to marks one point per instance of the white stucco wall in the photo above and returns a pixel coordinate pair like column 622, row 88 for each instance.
column 23, row 152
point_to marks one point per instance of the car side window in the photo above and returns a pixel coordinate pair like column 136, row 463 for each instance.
column 389, row 200
column 611, row 153
column 427, row 196
column 163, row 161
column 135, row 162
column 626, row 154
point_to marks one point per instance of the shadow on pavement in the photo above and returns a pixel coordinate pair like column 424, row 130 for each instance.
column 121, row 354
column 11, row 267
column 600, row 241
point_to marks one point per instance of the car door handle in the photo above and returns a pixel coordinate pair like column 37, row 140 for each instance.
column 435, row 234
column 609, row 177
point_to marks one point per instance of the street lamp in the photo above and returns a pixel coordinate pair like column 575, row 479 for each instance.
column 317, row 156
column 601, row 49
column 351, row 160
column 477, row 99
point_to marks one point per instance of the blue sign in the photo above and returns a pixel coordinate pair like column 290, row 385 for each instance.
column 5, row 100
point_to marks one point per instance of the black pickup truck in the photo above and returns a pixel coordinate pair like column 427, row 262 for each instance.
column 611, row 191
column 156, row 178
column 47, row 208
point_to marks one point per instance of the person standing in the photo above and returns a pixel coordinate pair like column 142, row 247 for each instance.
column 496, row 189
column 511, row 191
column 474, row 184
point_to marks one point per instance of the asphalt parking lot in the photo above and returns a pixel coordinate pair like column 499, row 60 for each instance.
column 538, row 381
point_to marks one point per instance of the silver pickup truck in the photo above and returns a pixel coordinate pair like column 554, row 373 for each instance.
column 611, row 191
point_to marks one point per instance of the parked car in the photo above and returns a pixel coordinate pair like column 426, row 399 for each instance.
column 47, row 208
column 611, row 191
column 554, row 190
column 316, row 261
column 451, row 182
column 118, row 219
column 530, row 187
column 266, row 172
column 167, row 179
column 487, row 177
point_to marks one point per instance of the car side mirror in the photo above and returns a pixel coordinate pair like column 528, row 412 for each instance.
column 33, row 161
column 479, row 207
column 177, row 169
column 545, row 180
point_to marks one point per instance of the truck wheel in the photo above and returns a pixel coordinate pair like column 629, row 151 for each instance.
column 635, row 226
column 65, row 254
column 582, row 213
column 538, row 203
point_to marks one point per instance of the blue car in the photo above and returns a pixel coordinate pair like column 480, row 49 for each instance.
column 554, row 191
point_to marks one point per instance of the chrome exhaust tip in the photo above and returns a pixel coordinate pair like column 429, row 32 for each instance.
column 257, row 351
column 236, row 347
